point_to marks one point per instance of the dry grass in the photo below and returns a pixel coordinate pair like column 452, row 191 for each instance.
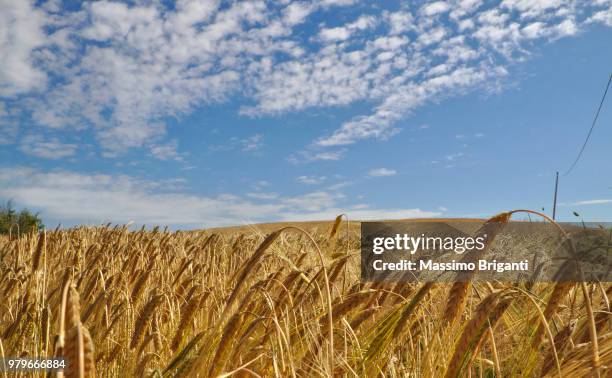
column 285, row 303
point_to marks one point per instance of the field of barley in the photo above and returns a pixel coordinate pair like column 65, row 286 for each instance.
column 283, row 301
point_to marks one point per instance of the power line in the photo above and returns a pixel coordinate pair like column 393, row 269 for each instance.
column 555, row 199
column 591, row 130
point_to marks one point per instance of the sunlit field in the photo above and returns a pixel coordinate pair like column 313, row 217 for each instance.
column 282, row 301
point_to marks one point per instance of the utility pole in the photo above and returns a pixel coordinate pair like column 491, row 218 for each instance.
column 555, row 200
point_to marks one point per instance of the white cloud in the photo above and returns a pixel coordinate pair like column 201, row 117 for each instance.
column 338, row 2
column 532, row 8
column 166, row 151
column 37, row 145
column 335, row 34
column 409, row 96
column 566, row 28
column 152, row 63
column 20, row 33
column 435, row 8
column 339, row 185
column 588, row 202
column 330, row 155
column 259, row 185
column 310, row 180
column 466, row 24
column 362, row 214
column 307, row 156
column 262, row 196
column 8, row 127
column 123, row 69
column 382, row 172
column 462, row 8
column 342, row 33
column 454, row 157
column 67, row 197
column 252, row 143
column 432, row 36
column 297, row 12
column 534, row 30
column 400, row 22
column 604, row 16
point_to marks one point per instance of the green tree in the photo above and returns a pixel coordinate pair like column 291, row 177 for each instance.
column 24, row 221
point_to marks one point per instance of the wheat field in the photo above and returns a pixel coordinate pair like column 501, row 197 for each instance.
column 287, row 302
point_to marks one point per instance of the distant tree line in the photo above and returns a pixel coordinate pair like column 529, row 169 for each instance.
column 15, row 221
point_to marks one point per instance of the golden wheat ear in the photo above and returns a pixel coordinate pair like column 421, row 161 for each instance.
column 76, row 344
column 79, row 353
column 146, row 314
column 459, row 291
column 488, row 312
column 335, row 227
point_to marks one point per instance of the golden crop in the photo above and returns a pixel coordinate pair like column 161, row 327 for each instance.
column 239, row 303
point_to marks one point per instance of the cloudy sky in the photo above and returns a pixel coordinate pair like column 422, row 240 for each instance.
column 202, row 113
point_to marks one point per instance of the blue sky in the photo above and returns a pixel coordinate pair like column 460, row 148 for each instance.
column 208, row 113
